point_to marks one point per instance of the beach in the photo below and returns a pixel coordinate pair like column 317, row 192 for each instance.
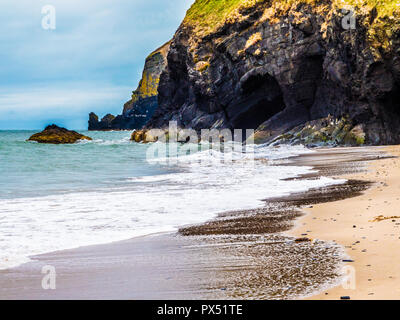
column 200, row 150
column 250, row 254
column 370, row 241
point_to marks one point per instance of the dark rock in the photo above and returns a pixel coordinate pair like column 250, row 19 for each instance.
column 286, row 76
column 106, row 123
column 55, row 135
column 345, row 298
column 93, row 121
column 302, row 240
column 322, row 132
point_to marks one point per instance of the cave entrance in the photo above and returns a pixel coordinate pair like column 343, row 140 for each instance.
column 261, row 99
column 392, row 102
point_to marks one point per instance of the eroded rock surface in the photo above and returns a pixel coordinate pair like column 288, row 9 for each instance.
column 56, row 135
column 280, row 67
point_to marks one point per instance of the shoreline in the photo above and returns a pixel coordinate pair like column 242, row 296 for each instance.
column 371, row 245
column 223, row 258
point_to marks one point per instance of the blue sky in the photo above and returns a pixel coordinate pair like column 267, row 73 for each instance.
column 92, row 61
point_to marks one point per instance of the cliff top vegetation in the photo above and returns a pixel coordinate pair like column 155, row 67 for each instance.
column 207, row 16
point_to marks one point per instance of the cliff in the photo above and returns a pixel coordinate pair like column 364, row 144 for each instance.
column 297, row 71
column 137, row 111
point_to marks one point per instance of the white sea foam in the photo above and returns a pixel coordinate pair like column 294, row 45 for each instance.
column 194, row 193
column 124, row 140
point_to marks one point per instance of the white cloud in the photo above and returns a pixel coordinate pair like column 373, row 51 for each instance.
column 92, row 61
column 72, row 104
column 69, row 99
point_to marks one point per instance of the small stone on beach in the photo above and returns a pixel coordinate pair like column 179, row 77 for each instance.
column 303, row 240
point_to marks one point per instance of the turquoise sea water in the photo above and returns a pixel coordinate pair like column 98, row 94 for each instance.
column 55, row 197
column 30, row 169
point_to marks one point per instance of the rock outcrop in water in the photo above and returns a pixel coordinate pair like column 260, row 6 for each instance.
column 137, row 111
column 56, row 135
column 285, row 67
column 106, row 122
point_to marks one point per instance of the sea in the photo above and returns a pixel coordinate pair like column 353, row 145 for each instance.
column 56, row 197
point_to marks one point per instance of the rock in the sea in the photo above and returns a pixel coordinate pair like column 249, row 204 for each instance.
column 137, row 136
column 93, row 123
column 56, row 135
column 106, row 123
column 147, row 136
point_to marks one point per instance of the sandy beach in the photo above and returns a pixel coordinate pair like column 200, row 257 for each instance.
column 368, row 227
column 236, row 150
column 250, row 254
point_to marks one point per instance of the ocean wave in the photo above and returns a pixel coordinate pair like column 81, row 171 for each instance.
column 192, row 193
column 121, row 141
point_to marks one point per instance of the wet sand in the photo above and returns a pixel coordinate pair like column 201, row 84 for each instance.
column 368, row 227
column 239, row 255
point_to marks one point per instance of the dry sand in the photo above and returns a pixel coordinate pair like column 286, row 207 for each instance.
column 374, row 246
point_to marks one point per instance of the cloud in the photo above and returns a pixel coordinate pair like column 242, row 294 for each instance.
column 97, row 44
column 97, row 38
column 36, row 107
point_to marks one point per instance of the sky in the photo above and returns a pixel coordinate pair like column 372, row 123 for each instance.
column 91, row 61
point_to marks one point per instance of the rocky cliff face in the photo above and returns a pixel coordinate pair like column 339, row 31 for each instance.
column 137, row 111
column 286, row 67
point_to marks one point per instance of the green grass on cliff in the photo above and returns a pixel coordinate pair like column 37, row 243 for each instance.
column 211, row 11
column 208, row 15
column 385, row 7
